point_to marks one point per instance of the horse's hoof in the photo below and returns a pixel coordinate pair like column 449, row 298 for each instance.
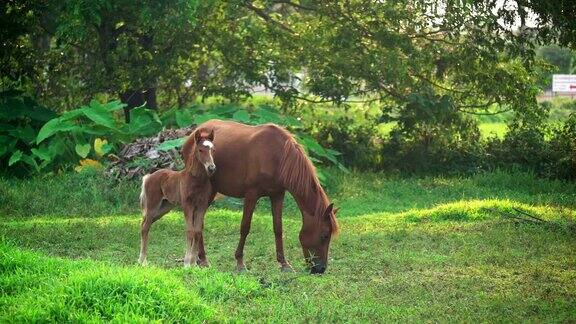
column 203, row 264
column 286, row 268
column 143, row 263
column 241, row 269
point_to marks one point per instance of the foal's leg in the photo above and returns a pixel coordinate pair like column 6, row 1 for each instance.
column 249, row 205
column 277, row 204
column 193, row 215
column 199, row 236
column 152, row 214
column 202, row 260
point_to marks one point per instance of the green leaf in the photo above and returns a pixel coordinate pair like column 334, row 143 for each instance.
column 30, row 161
column 26, row 134
column 204, row 117
column 170, row 144
column 16, row 156
column 183, row 118
column 143, row 122
column 42, row 153
column 223, row 111
column 241, row 116
column 82, row 150
column 114, row 105
column 52, row 127
column 99, row 115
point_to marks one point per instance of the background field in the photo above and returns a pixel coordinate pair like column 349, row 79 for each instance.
column 411, row 249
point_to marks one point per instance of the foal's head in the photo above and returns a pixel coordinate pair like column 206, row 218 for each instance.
column 204, row 150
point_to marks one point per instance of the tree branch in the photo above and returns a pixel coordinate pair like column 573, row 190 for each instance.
column 262, row 14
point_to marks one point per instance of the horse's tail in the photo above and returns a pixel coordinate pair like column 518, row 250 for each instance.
column 143, row 193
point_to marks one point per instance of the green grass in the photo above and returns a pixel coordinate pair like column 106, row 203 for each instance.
column 411, row 249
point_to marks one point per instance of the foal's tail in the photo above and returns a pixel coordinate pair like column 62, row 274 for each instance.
column 143, row 193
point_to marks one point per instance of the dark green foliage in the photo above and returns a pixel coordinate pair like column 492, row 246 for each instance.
column 20, row 120
column 431, row 136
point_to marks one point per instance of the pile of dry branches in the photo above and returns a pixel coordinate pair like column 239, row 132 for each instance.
column 142, row 156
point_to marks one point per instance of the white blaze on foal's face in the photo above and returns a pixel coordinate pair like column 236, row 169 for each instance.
column 208, row 161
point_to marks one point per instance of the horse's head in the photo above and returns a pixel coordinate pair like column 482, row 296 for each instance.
column 204, row 150
column 315, row 240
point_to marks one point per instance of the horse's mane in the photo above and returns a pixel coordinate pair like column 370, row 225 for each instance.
column 298, row 174
column 190, row 163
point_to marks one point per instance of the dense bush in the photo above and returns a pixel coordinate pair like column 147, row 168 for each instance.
column 87, row 134
column 21, row 118
column 431, row 136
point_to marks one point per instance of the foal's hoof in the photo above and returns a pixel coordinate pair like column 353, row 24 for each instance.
column 143, row 263
column 241, row 269
column 203, row 263
column 286, row 268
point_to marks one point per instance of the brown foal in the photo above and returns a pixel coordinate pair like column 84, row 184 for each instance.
column 189, row 188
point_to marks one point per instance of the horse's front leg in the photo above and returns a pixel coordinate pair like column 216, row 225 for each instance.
column 249, row 205
column 202, row 259
column 199, row 239
column 277, row 205
column 191, row 235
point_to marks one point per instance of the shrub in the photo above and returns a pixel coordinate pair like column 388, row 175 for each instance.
column 432, row 136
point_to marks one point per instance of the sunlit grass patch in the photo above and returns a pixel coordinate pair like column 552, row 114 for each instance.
column 39, row 288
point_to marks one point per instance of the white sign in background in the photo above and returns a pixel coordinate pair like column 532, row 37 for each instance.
column 564, row 83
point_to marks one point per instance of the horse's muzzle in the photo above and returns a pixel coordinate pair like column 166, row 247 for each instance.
column 211, row 169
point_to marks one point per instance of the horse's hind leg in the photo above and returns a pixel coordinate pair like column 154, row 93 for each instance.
column 151, row 215
column 277, row 205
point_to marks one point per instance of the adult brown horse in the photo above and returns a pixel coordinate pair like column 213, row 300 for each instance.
column 266, row 160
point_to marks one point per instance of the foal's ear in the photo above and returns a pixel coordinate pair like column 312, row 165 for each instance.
column 211, row 135
column 329, row 210
column 197, row 136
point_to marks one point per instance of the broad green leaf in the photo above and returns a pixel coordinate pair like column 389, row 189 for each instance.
column 267, row 116
column 30, row 161
column 82, row 150
column 241, row 116
column 52, row 127
column 26, row 134
column 16, row 156
column 143, row 122
column 223, row 111
column 313, row 146
column 114, row 105
column 42, row 153
column 170, row 144
column 100, row 116
column 183, row 118
column 204, row 117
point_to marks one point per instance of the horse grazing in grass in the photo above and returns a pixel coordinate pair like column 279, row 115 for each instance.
column 190, row 188
column 266, row 160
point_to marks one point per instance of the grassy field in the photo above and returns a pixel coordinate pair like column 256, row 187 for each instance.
column 411, row 249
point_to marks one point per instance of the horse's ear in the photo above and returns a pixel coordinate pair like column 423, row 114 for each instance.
column 336, row 210
column 211, row 135
column 329, row 210
column 197, row 136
